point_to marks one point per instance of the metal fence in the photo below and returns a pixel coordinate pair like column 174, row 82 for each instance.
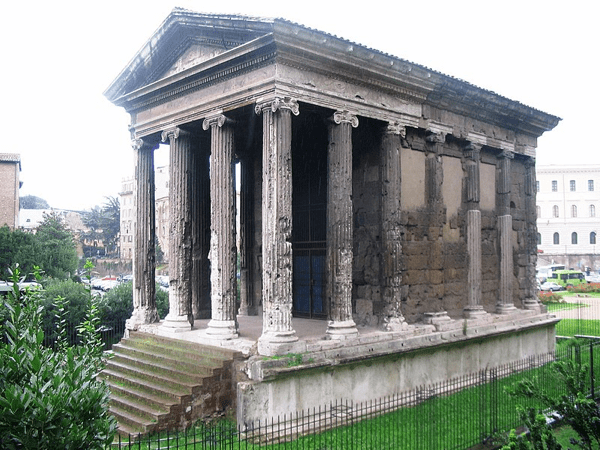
column 455, row 414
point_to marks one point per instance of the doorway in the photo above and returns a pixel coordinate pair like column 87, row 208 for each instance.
column 309, row 211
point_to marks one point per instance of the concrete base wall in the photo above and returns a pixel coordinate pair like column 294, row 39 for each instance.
column 360, row 376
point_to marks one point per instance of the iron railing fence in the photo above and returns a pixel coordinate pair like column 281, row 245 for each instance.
column 110, row 333
column 455, row 414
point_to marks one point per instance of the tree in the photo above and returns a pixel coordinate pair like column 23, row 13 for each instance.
column 571, row 408
column 33, row 202
column 104, row 224
column 57, row 253
column 50, row 399
column 112, row 223
column 17, row 247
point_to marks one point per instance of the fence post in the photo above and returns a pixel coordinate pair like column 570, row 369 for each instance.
column 592, row 369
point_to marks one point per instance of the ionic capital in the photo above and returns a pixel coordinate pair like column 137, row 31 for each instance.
column 170, row 134
column 139, row 144
column 345, row 117
column 472, row 151
column 278, row 103
column 396, row 129
column 434, row 137
column 506, row 154
column 530, row 163
column 217, row 120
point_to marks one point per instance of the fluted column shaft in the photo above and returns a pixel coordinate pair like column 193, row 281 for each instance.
column 340, row 226
column 505, row 297
column 223, row 250
column 180, row 241
column 531, row 301
column 277, row 225
column 144, row 255
column 391, row 220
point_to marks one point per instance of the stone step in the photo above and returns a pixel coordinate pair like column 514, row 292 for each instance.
column 189, row 376
column 144, row 396
column 141, row 410
column 145, row 373
column 169, row 393
column 131, row 422
column 201, row 365
column 208, row 351
column 160, row 383
column 188, row 353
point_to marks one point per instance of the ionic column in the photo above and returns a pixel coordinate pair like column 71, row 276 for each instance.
column 340, row 226
column 474, row 309
column 200, row 204
column 144, row 256
column 531, row 301
column 390, row 213
column 505, row 297
column 247, row 306
column 180, row 232
column 277, row 334
column 223, row 250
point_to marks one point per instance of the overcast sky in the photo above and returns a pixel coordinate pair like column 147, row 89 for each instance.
column 58, row 57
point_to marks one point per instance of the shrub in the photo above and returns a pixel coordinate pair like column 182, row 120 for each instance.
column 549, row 297
column 49, row 398
column 77, row 298
column 117, row 304
column 584, row 288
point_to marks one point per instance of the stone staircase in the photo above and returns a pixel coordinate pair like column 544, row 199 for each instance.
column 158, row 383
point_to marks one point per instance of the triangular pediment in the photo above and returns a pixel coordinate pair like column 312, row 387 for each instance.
column 183, row 40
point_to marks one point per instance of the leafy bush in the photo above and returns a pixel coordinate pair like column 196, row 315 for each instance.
column 77, row 298
column 117, row 304
column 549, row 296
column 572, row 408
column 50, row 399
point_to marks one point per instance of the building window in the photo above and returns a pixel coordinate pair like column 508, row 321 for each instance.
column 537, row 185
column 574, row 238
column 554, row 186
column 538, row 211
column 592, row 211
column 572, row 185
column 556, row 239
column 590, row 185
column 573, row 211
column 555, row 211
column 593, row 238
column 539, row 239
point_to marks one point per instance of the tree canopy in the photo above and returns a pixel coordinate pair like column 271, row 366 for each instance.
column 104, row 225
column 33, row 202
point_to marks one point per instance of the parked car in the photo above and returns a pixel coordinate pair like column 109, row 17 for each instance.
column 551, row 286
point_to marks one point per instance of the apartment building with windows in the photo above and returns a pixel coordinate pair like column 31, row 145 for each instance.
column 568, row 215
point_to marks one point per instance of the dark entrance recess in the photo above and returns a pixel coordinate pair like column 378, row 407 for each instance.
column 309, row 209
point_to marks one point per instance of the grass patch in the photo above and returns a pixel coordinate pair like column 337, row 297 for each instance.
column 556, row 306
column 571, row 327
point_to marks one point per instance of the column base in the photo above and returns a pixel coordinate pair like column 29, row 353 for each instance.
column 341, row 330
column 176, row 324
column 222, row 329
column 273, row 343
column 505, row 309
column 533, row 304
column 392, row 324
column 474, row 312
column 141, row 316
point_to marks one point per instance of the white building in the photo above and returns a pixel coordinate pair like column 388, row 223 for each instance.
column 568, row 215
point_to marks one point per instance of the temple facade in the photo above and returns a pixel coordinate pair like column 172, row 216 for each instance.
column 373, row 191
